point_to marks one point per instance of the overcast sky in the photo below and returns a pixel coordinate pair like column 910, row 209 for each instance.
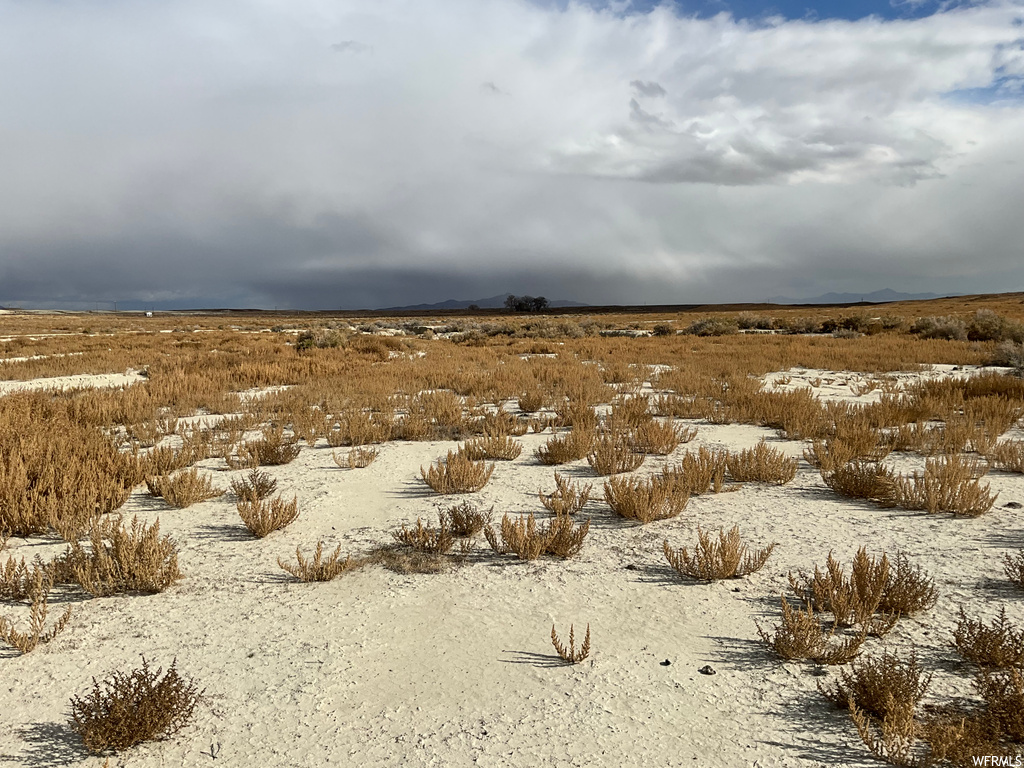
column 366, row 153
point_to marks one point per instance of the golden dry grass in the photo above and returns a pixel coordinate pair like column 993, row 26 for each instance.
column 726, row 558
column 502, row 448
column 799, row 636
column 571, row 446
column 119, row 559
column 37, row 591
column 266, row 516
column 948, row 484
column 318, row 567
column 356, row 458
column 568, row 498
column 457, row 473
column 523, row 536
column 761, row 464
column 256, row 485
column 184, row 489
column 645, row 500
column 571, row 654
column 613, row 453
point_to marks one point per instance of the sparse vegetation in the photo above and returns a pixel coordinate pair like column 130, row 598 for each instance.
column 612, row 453
column 119, row 559
column 128, row 708
column 561, row 537
column 761, row 464
column 255, row 486
column 319, row 567
column 457, row 473
column 571, row 654
column 799, row 636
column 265, row 517
column 723, row 559
column 645, row 500
column 184, row 488
column 568, row 498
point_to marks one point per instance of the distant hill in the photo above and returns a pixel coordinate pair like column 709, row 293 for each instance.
column 493, row 302
column 884, row 295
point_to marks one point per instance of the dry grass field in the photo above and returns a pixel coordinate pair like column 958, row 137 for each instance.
column 772, row 536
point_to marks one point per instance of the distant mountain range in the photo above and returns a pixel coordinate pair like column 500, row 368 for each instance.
column 886, row 294
column 493, row 302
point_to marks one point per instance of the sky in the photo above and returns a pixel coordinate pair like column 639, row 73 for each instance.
column 316, row 154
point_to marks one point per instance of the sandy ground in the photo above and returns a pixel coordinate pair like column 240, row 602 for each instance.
column 457, row 669
column 83, row 380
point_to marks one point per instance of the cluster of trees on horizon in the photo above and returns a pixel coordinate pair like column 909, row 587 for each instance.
column 525, row 303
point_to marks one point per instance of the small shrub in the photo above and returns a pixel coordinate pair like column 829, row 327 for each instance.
column 464, row 519
column 860, row 479
column 613, row 454
column 318, row 568
column 660, row 438
column 799, row 636
column 571, row 654
column 698, row 473
column 560, row 537
column 457, row 474
column 879, row 685
column 273, row 449
column 567, row 498
column 184, row 489
column 265, row 517
column 129, row 708
column 853, row 599
column 948, row 484
column 761, row 464
column 908, row 589
column 571, row 446
column 38, row 592
column 1011, row 355
column 356, row 458
column 501, row 423
column 1003, row 693
column 1007, row 456
column 645, row 500
column 17, row 579
column 998, row 644
column 493, row 447
column 435, row 541
column 713, row 326
column 119, row 559
column 1013, row 566
column 950, row 328
column 533, row 400
column 255, row 486
column 725, row 559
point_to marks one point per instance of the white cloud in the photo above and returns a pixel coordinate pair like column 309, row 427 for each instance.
column 652, row 156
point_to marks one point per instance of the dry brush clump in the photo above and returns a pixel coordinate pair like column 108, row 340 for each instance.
column 862, row 479
column 645, row 500
column 319, row 567
column 434, row 541
column 464, row 519
column 700, row 472
column 501, row 447
column 568, row 498
column 799, row 636
column 1013, row 567
column 1007, row 456
column 726, row 558
column 879, row 686
column 272, row 449
column 761, row 464
column 612, row 453
column 37, row 591
column 356, row 458
column 457, row 473
column 119, row 559
column 266, row 516
column 256, row 485
column 528, row 540
column 660, row 438
column 572, row 446
column 571, row 654
column 184, row 488
column 999, row 644
column 948, row 484
column 128, row 708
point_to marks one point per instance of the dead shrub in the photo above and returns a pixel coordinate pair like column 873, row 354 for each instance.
column 572, row 655
column 568, row 498
column 1003, row 693
column 436, row 541
column 319, row 568
column 1013, row 566
column 533, row 400
column 356, row 458
column 948, row 484
column 799, row 636
column 879, row 686
column 726, row 558
column 560, row 537
column 852, row 600
column 1007, row 456
column 761, row 464
column 38, row 591
column 464, row 519
column 613, row 454
column 457, row 473
column 571, row 446
column 503, row 448
column 908, row 588
column 356, row 427
column 501, row 423
column 129, row 708
column 254, row 486
column 660, row 438
column 17, row 578
column 265, row 517
column 273, row 449
column 998, row 644
column 645, row 499
column 698, row 473
column 860, row 479
column 119, row 559
column 184, row 489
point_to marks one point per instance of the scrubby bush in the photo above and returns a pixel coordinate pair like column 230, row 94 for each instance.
column 726, row 558
column 950, row 328
column 712, row 326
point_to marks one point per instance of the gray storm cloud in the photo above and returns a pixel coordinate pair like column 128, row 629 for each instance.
column 260, row 155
